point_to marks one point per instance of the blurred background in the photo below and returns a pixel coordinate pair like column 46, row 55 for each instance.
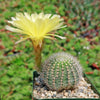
column 82, row 18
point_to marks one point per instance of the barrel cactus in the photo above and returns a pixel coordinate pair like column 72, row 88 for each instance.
column 61, row 71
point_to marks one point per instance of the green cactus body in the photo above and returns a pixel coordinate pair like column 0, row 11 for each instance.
column 61, row 71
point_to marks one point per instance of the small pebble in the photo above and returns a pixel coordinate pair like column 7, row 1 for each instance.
column 49, row 94
column 59, row 96
column 54, row 92
column 81, row 94
column 66, row 94
column 54, row 95
column 69, row 93
column 42, row 95
column 81, row 90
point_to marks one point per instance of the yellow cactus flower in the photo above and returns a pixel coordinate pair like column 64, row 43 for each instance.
column 35, row 26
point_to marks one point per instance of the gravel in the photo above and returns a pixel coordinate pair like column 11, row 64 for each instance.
column 82, row 90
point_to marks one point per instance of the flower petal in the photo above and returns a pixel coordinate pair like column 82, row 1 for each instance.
column 60, row 36
column 13, row 29
column 21, row 40
column 57, row 36
column 27, row 16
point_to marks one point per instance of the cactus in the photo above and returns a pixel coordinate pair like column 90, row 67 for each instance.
column 61, row 71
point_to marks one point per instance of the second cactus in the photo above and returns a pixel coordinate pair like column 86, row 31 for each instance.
column 61, row 71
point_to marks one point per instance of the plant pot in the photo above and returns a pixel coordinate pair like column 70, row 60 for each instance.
column 35, row 75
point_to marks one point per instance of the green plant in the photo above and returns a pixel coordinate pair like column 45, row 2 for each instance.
column 61, row 71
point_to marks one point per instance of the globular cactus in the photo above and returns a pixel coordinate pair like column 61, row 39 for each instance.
column 61, row 71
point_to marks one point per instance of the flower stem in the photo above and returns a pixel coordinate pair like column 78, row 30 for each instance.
column 37, row 53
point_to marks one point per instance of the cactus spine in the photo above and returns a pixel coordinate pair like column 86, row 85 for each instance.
column 61, row 71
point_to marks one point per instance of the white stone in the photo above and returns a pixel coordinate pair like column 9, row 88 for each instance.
column 66, row 94
column 42, row 95
column 54, row 92
column 49, row 94
column 82, row 95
